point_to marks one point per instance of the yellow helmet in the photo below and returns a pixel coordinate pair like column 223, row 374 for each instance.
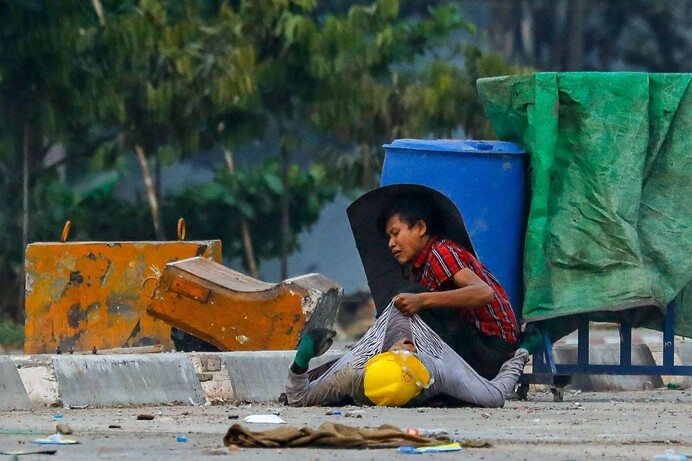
column 394, row 378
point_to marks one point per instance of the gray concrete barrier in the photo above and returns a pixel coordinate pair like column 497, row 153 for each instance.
column 13, row 396
column 110, row 380
column 38, row 376
column 260, row 376
column 604, row 354
column 684, row 353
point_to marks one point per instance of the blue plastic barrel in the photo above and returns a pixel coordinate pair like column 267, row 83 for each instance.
column 487, row 182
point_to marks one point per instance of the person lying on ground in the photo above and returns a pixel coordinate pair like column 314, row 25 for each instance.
column 400, row 361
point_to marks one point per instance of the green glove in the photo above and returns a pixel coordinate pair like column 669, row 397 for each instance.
column 313, row 344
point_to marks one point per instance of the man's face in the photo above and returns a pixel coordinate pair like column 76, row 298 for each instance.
column 404, row 344
column 406, row 242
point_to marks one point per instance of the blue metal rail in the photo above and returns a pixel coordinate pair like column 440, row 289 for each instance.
column 546, row 371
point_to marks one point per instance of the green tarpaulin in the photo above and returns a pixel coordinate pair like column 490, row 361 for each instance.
column 610, row 222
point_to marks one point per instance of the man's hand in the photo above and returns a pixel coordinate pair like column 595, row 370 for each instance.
column 408, row 303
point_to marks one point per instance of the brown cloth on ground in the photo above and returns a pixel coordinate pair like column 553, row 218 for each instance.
column 335, row 435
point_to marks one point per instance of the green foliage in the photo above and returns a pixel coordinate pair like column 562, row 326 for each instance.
column 95, row 211
column 445, row 100
column 106, row 217
column 213, row 210
column 11, row 334
column 159, row 67
column 39, row 101
column 36, row 47
column 407, row 82
column 177, row 76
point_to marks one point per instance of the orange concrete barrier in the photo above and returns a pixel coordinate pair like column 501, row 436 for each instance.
column 235, row 312
column 81, row 295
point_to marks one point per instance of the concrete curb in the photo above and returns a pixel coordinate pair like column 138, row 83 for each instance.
column 684, row 355
column 13, row 395
column 139, row 379
column 38, row 376
column 261, row 376
column 218, row 377
column 108, row 380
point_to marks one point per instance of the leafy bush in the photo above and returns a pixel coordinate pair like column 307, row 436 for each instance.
column 214, row 209
column 11, row 333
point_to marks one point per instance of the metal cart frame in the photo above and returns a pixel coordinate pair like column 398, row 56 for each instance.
column 557, row 376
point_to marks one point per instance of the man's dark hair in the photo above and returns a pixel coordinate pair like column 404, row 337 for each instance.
column 410, row 208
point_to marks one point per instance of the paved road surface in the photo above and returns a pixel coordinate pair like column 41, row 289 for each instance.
column 618, row 426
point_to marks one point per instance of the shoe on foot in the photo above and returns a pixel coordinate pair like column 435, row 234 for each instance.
column 532, row 339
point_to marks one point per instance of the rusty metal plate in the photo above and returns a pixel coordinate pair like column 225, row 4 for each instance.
column 228, row 309
column 83, row 295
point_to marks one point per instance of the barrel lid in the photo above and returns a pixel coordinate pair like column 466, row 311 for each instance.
column 457, row 145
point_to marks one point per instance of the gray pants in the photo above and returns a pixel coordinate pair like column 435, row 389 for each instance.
column 452, row 376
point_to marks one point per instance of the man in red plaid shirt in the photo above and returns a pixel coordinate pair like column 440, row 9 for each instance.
column 465, row 303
